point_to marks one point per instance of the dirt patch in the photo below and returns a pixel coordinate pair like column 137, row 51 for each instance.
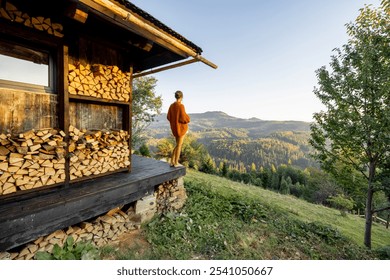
column 131, row 238
column 131, row 245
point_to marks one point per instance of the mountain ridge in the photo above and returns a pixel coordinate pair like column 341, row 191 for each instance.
column 215, row 120
column 235, row 140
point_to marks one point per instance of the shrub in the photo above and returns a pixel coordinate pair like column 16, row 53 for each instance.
column 71, row 251
column 342, row 203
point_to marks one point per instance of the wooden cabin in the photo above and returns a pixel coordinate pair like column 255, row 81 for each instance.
column 66, row 70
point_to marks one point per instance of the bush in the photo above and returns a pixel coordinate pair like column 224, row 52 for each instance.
column 342, row 203
column 144, row 150
column 384, row 253
column 71, row 251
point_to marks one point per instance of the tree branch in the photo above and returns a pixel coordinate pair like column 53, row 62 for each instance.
column 349, row 160
column 381, row 209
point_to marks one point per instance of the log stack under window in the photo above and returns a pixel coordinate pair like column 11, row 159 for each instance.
column 31, row 160
column 36, row 158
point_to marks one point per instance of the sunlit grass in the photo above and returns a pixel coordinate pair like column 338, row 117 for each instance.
column 223, row 219
column 351, row 226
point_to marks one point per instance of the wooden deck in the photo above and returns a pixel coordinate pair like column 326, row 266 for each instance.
column 27, row 216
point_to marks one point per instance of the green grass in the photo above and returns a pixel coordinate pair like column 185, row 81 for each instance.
column 351, row 226
column 228, row 220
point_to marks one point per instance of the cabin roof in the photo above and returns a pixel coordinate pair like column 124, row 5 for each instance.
column 133, row 8
column 170, row 45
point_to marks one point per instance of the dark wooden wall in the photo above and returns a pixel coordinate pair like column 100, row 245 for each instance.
column 22, row 111
column 94, row 116
column 83, row 115
column 88, row 50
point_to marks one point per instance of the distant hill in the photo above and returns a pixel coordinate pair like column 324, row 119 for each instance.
column 242, row 142
column 219, row 121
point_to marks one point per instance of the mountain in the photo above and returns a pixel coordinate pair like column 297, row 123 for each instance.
column 220, row 122
column 242, row 142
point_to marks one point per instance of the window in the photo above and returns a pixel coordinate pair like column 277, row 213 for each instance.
column 25, row 68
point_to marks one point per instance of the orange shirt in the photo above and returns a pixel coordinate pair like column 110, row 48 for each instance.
column 178, row 119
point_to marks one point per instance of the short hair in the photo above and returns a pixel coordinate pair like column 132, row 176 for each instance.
column 178, row 94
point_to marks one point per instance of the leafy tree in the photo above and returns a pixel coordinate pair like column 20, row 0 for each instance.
column 355, row 128
column 146, row 106
column 386, row 5
column 320, row 187
column 352, row 182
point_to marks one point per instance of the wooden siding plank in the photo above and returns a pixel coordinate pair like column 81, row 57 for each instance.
column 22, row 111
column 95, row 117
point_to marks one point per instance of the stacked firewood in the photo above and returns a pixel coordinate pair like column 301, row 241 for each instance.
column 171, row 196
column 97, row 152
column 100, row 81
column 101, row 231
column 36, row 158
column 12, row 13
column 31, row 160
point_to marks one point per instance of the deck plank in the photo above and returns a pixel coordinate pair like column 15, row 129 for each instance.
column 27, row 216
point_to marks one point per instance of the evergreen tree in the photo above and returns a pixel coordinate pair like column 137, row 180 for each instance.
column 224, row 169
column 275, row 184
column 284, row 188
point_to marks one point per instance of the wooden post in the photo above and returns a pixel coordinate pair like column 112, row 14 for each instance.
column 128, row 114
column 63, row 101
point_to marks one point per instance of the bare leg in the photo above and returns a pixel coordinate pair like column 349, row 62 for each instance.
column 177, row 150
column 172, row 162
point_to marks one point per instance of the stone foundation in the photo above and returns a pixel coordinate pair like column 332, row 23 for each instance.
column 171, row 196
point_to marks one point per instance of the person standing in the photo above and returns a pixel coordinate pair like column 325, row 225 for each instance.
column 178, row 120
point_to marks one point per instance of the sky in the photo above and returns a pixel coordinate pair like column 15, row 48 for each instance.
column 267, row 53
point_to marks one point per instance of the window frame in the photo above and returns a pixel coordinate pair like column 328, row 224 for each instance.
column 51, row 88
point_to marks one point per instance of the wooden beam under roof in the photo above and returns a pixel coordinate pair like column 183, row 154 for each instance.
column 152, row 71
column 73, row 11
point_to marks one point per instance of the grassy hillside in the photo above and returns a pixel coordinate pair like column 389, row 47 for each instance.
column 351, row 226
column 228, row 220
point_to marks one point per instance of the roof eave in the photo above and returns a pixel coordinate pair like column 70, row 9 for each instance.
column 135, row 23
